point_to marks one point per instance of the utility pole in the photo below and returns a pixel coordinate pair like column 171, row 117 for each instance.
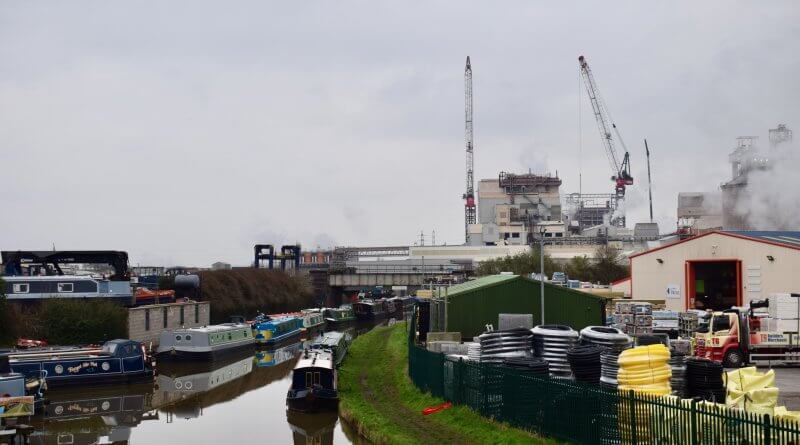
column 649, row 182
column 542, row 231
column 469, row 194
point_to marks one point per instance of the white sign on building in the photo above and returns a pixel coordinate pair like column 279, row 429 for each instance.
column 673, row 291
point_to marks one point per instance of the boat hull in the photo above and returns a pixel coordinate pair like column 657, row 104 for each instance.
column 311, row 401
column 284, row 339
column 371, row 316
column 178, row 354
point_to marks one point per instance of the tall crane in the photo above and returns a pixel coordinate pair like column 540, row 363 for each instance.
column 469, row 195
column 622, row 176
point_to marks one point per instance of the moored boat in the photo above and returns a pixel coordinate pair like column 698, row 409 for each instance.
column 118, row 361
column 314, row 383
column 336, row 316
column 336, row 342
column 313, row 320
column 205, row 343
column 369, row 310
column 272, row 331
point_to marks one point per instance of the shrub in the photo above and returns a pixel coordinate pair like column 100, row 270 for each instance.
column 247, row 291
column 68, row 322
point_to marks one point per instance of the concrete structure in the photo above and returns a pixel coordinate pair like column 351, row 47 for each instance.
column 510, row 207
column 718, row 269
column 145, row 323
column 476, row 254
column 219, row 265
column 698, row 212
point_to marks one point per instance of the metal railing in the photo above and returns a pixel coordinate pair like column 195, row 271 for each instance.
column 581, row 413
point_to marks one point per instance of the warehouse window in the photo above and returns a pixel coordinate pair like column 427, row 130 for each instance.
column 147, row 319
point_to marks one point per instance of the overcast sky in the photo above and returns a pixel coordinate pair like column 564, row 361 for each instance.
column 185, row 132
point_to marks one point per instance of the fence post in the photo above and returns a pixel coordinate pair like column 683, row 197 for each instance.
column 693, row 422
column 767, row 430
column 633, row 417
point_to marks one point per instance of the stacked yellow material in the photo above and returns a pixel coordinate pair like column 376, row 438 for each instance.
column 752, row 391
column 645, row 369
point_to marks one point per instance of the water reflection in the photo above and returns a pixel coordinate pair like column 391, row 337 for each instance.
column 314, row 429
column 228, row 401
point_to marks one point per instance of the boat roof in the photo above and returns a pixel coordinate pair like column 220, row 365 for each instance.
column 49, row 277
column 315, row 359
column 331, row 338
column 214, row 328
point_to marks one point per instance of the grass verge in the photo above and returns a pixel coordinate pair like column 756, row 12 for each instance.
column 382, row 403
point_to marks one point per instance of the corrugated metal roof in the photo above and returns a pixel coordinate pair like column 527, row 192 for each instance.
column 786, row 238
column 487, row 281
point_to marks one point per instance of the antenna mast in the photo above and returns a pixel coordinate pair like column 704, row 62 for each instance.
column 649, row 182
column 469, row 195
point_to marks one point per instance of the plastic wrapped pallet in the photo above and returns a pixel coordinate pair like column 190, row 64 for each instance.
column 752, row 391
column 784, row 306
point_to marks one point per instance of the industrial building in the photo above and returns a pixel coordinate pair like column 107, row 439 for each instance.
column 472, row 305
column 514, row 208
column 698, row 212
column 717, row 269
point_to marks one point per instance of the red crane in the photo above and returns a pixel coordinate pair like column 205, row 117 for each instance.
column 622, row 176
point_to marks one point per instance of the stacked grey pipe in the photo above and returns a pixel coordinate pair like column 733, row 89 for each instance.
column 613, row 341
column 678, row 380
column 496, row 346
column 551, row 342
column 678, row 349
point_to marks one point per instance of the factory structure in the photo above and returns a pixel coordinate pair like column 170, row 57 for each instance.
column 730, row 207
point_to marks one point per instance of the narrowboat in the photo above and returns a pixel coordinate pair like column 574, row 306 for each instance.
column 336, row 342
column 336, row 316
column 313, row 320
column 118, row 361
column 314, row 383
column 205, row 343
column 272, row 331
column 388, row 306
column 369, row 310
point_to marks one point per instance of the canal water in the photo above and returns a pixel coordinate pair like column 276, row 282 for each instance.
column 239, row 400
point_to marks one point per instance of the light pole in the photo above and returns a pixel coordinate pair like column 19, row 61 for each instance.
column 542, row 231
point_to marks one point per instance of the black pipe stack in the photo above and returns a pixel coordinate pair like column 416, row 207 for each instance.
column 584, row 361
column 704, row 380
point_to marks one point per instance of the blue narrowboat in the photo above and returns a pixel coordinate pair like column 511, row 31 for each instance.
column 118, row 361
column 272, row 331
column 314, row 383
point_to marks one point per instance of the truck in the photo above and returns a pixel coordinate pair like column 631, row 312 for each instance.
column 738, row 336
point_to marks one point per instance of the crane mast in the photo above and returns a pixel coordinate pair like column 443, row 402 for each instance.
column 469, row 195
column 622, row 176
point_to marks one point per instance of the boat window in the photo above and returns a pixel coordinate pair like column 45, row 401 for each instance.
column 65, row 287
column 316, row 378
column 309, row 380
column 178, row 337
column 110, row 348
column 21, row 288
column 188, row 337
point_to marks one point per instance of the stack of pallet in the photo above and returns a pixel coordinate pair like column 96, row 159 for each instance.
column 634, row 318
column 688, row 322
column 784, row 314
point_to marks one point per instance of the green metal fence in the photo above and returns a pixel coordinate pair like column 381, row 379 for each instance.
column 580, row 413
